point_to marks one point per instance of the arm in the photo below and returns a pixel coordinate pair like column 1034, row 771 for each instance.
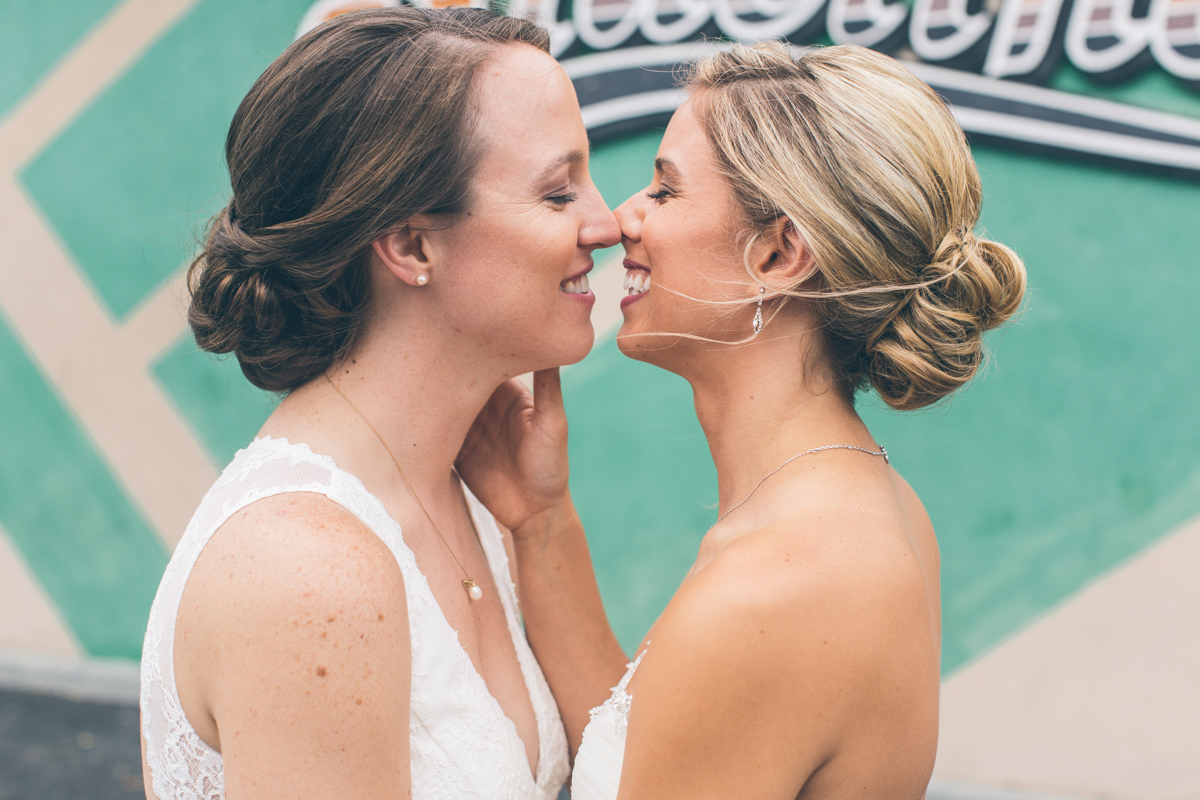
column 294, row 632
column 564, row 617
column 515, row 461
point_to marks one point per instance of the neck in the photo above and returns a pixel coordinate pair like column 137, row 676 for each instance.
column 758, row 408
column 403, row 393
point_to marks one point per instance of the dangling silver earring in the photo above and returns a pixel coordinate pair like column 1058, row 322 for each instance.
column 758, row 321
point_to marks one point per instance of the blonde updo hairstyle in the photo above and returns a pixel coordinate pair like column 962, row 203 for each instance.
column 871, row 167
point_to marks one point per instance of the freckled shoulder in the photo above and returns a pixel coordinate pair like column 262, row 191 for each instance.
column 294, row 625
column 292, row 574
column 291, row 550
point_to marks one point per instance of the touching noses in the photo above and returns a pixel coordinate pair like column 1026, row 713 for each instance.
column 629, row 216
column 602, row 229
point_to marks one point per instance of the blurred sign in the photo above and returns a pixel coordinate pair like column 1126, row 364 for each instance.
column 623, row 54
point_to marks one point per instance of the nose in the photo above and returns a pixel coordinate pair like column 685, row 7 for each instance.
column 629, row 216
column 601, row 229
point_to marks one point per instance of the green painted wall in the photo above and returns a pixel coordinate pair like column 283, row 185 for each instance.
column 90, row 548
column 32, row 41
column 130, row 183
column 1077, row 448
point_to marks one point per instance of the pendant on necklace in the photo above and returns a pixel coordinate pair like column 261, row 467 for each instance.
column 473, row 590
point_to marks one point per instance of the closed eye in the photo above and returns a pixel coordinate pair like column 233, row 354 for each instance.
column 658, row 196
column 563, row 199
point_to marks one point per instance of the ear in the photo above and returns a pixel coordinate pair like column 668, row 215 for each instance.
column 783, row 257
column 407, row 253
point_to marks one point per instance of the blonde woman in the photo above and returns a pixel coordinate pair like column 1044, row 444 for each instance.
column 808, row 235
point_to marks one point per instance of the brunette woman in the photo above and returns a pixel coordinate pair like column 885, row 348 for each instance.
column 411, row 223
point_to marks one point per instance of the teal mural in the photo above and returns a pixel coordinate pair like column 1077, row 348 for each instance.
column 1076, row 449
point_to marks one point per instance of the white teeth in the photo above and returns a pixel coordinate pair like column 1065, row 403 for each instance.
column 577, row 286
column 636, row 281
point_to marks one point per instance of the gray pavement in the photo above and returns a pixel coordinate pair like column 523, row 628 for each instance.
column 69, row 731
column 54, row 748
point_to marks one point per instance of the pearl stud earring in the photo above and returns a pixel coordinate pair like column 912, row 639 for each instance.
column 422, row 279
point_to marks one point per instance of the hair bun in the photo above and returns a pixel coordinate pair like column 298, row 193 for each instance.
column 932, row 342
column 236, row 305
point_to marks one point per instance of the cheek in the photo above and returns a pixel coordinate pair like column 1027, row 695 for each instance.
column 538, row 248
column 677, row 254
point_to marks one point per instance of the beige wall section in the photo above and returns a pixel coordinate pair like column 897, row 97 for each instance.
column 1099, row 697
column 29, row 621
column 606, row 281
column 100, row 367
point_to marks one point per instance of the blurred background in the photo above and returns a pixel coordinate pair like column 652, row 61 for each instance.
column 1064, row 483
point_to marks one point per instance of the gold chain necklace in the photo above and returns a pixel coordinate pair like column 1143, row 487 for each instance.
column 882, row 452
column 473, row 589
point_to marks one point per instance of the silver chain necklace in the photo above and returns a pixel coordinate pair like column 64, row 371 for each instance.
column 882, row 452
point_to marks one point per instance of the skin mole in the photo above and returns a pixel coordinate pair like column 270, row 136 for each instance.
column 321, row 671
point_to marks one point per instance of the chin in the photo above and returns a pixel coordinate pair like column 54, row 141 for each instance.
column 634, row 347
column 569, row 349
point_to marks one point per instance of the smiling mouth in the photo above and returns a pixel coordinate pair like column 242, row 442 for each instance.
column 575, row 285
column 636, row 282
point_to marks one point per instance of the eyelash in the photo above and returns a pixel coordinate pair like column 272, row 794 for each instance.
column 658, row 196
column 563, row 199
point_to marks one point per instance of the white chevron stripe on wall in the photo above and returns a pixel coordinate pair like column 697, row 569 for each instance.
column 29, row 620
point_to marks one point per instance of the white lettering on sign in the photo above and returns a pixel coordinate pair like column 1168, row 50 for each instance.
column 1175, row 37
column 1022, row 37
column 942, row 30
column 1102, row 37
column 864, row 22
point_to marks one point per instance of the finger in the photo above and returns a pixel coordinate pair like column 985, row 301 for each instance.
column 502, row 399
column 547, row 392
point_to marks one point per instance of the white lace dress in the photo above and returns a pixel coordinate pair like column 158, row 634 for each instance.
column 598, row 763
column 463, row 745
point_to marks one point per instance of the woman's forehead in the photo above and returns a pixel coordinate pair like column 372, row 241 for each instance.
column 685, row 151
column 528, row 118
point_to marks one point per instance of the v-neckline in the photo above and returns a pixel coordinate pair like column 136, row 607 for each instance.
column 535, row 775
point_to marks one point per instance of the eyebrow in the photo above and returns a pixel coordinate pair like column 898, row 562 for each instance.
column 666, row 165
column 573, row 157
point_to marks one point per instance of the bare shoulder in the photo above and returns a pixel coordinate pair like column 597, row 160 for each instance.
column 827, row 593
column 293, row 554
column 821, row 576
column 293, row 625
column 804, row 649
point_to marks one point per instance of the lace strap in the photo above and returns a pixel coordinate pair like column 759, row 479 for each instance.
column 631, row 668
column 620, row 702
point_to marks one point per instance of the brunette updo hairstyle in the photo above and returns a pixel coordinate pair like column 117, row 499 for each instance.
column 361, row 124
column 871, row 167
